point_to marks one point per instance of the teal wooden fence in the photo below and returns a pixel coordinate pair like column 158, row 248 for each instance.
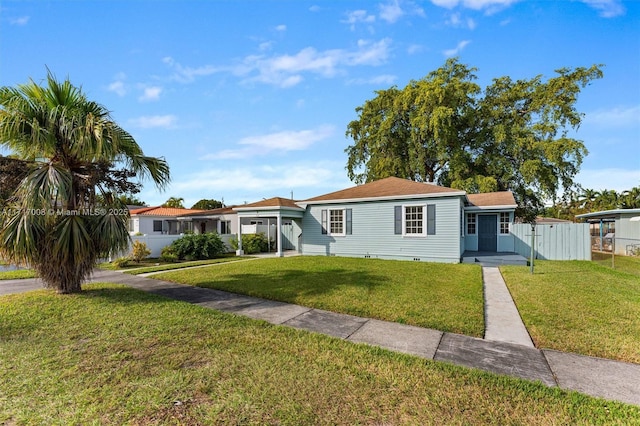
column 565, row 241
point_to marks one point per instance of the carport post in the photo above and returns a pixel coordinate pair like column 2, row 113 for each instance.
column 239, row 252
column 279, row 234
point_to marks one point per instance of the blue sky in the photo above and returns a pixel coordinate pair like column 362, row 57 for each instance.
column 251, row 99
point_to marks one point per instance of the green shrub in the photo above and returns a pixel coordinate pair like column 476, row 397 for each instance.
column 168, row 254
column 121, row 262
column 139, row 251
column 198, row 246
column 251, row 243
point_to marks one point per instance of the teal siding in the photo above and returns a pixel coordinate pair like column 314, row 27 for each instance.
column 373, row 232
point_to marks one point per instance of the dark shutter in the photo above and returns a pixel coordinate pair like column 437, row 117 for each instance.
column 348, row 221
column 397, row 219
column 324, row 221
column 431, row 219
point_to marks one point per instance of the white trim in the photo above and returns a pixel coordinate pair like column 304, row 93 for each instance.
column 424, row 221
column 304, row 204
column 477, row 208
column 271, row 208
column 344, row 223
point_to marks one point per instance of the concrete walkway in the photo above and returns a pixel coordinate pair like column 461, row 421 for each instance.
column 501, row 317
column 603, row 378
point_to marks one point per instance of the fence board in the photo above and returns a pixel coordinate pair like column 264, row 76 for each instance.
column 564, row 241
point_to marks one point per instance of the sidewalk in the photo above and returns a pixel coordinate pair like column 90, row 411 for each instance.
column 603, row 378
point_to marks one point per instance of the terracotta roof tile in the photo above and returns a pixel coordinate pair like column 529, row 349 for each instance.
column 502, row 198
column 162, row 211
column 388, row 187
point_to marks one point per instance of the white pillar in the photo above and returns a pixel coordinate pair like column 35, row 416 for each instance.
column 239, row 252
column 279, row 235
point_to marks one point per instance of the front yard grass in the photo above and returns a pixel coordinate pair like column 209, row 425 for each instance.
column 18, row 274
column 629, row 264
column 579, row 306
column 115, row 355
column 440, row 296
column 181, row 265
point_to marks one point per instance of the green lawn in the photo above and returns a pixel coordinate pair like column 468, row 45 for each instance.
column 181, row 265
column 17, row 274
column 114, row 355
column 629, row 264
column 440, row 296
column 580, row 307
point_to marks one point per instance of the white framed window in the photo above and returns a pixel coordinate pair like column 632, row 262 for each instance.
column 504, row 222
column 414, row 220
column 336, row 222
column 417, row 220
column 256, row 222
column 471, row 223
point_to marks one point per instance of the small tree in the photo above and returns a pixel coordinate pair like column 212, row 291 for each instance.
column 139, row 251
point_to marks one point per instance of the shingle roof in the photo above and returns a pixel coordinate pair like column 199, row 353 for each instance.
column 387, row 187
column 271, row 202
column 162, row 211
column 502, row 198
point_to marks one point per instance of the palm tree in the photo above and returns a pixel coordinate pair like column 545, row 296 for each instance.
column 174, row 202
column 65, row 215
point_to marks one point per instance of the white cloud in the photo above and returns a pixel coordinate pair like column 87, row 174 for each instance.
column 488, row 5
column 118, row 88
column 287, row 70
column 150, row 94
column 379, row 80
column 279, row 142
column 391, row 11
column 611, row 178
column 357, row 17
column 20, row 21
column 615, row 117
column 184, row 74
column 243, row 184
column 455, row 51
column 607, row 8
column 281, row 27
column 414, row 48
column 154, row 121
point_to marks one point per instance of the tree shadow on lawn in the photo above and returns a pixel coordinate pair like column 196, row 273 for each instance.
column 288, row 284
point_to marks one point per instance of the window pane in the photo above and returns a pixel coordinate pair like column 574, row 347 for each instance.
column 336, row 223
column 414, row 219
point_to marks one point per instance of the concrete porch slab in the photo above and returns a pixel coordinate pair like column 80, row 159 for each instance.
column 495, row 357
column 408, row 339
column 493, row 259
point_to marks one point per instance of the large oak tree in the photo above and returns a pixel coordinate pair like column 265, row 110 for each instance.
column 444, row 128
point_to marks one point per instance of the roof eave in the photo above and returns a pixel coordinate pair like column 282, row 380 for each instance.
column 500, row 207
column 383, row 198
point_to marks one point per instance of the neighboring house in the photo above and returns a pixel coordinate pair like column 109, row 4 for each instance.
column 222, row 220
column 159, row 221
column 396, row 218
column 617, row 230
